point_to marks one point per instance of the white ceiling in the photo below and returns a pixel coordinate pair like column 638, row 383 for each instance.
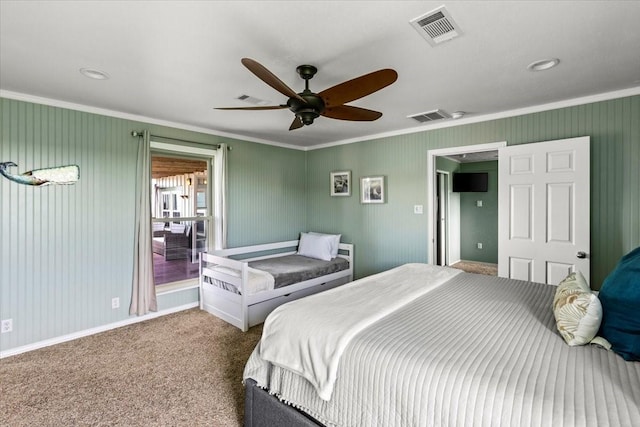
column 173, row 61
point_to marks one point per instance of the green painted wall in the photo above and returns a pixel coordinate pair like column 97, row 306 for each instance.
column 267, row 188
column 390, row 234
column 446, row 165
column 480, row 224
column 65, row 251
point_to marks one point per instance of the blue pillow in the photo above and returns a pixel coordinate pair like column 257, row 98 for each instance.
column 620, row 298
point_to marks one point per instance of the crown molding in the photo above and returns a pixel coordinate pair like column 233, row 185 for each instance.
column 606, row 96
column 445, row 124
column 133, row 117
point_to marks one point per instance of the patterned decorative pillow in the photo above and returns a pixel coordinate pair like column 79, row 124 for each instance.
column 577, row 310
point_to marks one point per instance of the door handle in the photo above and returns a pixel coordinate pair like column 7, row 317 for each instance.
column 581, row 254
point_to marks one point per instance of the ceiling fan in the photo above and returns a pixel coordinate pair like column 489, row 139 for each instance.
column 307, row 105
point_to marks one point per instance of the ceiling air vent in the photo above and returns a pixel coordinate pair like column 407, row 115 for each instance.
column 430, row 116
column 436, row 26
column 252, row 100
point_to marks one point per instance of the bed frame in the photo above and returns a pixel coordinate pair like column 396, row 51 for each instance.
column 245, row 311
column 262, row 409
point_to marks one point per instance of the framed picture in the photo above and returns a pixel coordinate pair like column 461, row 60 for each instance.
column 341, row 183
column 372, row 189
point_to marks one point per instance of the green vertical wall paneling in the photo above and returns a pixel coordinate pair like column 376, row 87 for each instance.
column 65, row 251
column 614, row 129
column 381, row 230
column 267, row 188
column 480, row 224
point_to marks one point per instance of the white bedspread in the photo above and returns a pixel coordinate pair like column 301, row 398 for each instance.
column 476, row 351
column 313, row 348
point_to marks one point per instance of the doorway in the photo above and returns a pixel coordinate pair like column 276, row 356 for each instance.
column 444, row 235
column 442, row 226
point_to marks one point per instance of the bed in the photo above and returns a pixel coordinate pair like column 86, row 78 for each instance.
column 420, row 345
column 243, row 285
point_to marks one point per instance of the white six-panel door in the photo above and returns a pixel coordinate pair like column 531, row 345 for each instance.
column 543, row 210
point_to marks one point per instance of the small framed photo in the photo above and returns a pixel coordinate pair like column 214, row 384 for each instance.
column 341, row 183
column 372, row 189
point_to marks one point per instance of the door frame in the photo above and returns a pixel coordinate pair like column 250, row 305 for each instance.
column 442, row 189
column 432, row 182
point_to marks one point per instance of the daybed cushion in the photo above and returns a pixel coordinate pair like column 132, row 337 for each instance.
column 620, row 297
column 315, row 246
column 335, row 242
column 577, row 310
column 297, row 268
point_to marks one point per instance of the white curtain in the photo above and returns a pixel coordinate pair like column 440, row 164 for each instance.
column 220, row 198
column 143, row 298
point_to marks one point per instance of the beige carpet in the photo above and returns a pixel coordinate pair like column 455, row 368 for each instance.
column 477, row 267
column 184, row 369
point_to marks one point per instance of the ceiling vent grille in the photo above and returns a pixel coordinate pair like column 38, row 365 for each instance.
column 430, row 116
column 436, row 26
column 252, row 100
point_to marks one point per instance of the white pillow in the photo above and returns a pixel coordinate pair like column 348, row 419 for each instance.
column 334, row 243
column 314, row 246
column 577, row 310
column 177, row 228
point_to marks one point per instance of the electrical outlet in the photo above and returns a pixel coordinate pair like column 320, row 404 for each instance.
column 417, row 209
column 115, row 303
column 479, row 245
column 7, row 326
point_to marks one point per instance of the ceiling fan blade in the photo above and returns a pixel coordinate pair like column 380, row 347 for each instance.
column 296, row 124
column 262, row 107
column 347, row 112
column 269, row 78
column 357, row 88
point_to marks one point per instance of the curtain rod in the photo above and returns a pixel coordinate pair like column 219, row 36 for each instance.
column 141, row 133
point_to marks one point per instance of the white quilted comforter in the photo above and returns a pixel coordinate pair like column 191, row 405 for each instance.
column 313, row 348
column 476, row 350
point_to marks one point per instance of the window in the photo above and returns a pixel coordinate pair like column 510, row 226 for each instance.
column 181, row 190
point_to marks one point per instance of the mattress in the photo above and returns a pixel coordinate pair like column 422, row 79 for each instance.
column 272, row 273
column 476, row 350
column 290, row 269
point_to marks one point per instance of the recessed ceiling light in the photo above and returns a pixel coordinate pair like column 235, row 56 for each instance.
column 94, row 74
column 457, row 115
column 543, row 64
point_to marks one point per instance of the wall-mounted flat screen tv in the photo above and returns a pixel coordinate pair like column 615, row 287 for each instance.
column 470, row 182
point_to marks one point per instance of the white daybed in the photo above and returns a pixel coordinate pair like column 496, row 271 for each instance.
column 230, row 288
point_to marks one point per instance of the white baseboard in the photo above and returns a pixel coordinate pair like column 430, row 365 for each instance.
column 93, row 331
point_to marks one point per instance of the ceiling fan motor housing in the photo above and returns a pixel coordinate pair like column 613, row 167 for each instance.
column 309, row 111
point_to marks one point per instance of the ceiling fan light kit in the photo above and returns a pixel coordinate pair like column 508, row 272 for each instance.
column 308, row 106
